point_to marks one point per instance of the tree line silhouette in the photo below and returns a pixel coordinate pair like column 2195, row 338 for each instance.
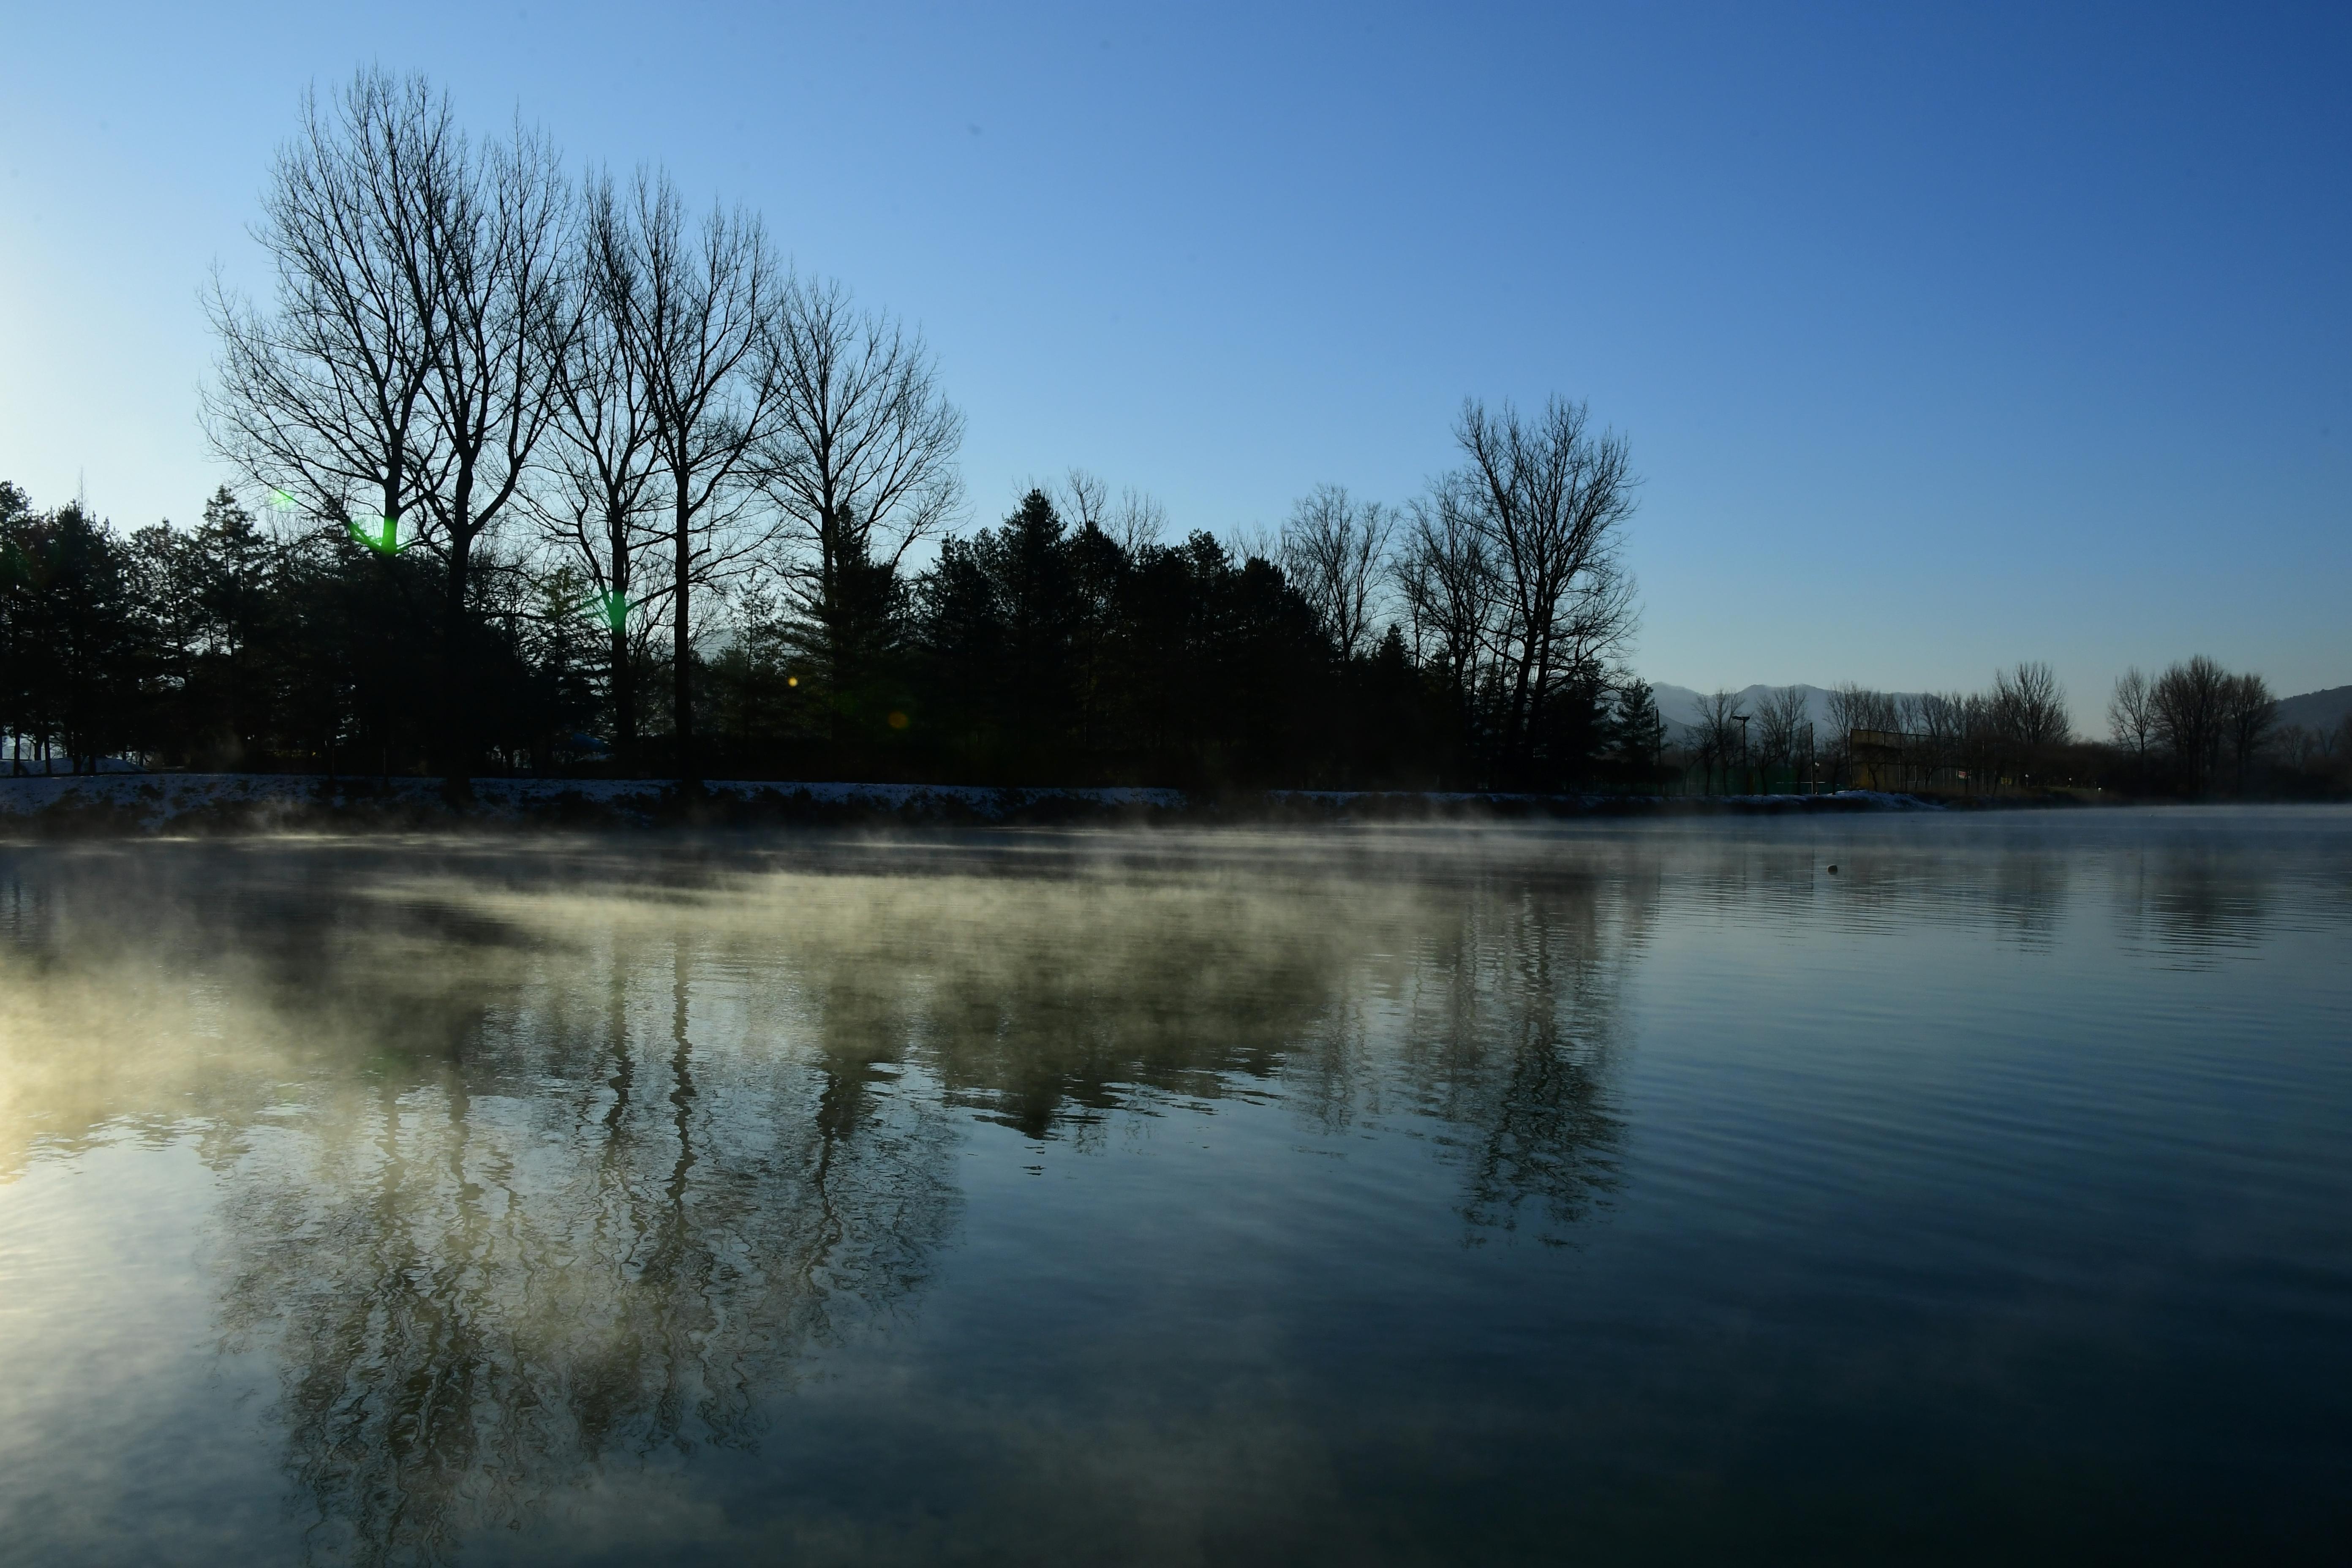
column 1035, row 651
column 553, row 477
column 549, row 477
column 2194, row 731
column 1041, row 650
column 1957, row 743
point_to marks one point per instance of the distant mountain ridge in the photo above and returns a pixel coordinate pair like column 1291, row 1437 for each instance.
column 1679, row 706
column 2322, row 710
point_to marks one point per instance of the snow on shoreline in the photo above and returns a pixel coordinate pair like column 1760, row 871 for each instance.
column 157, row 799
column 151, row 802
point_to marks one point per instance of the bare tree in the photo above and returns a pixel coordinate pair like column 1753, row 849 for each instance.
column 1135, row 522
column 406, row 369
column 2131, row 715
column 1246, row 541
column 1333, row 551
column 600, row 509
column 1720, row 734
column 1939, row 731
column 1802, row 754
column 1083, row 501
column 2298, row 747
column 2032, row 713
column 694, row 308
column 493, row 272
column 860, row 462
column 1853, row 709
column 1550, row 496
column 323, row 398
column 1985, row 742
column 1873, row 726
column 1446, row 575
column 2191, row 703
column 2249, row 712
column 1138, row 522
column 1783, row 727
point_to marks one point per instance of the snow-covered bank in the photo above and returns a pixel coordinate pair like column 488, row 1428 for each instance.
column 154, row 803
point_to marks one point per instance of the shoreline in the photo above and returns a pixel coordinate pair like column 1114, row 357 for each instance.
column 139, row 805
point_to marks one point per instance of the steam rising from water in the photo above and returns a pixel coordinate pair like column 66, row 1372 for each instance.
column 543, row 1172
column 532, row 1160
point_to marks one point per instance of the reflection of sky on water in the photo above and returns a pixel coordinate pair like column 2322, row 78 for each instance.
column 1100, row 1189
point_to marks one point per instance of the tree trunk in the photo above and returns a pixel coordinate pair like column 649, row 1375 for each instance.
column 625, row 703
column 456, row 689
column 682, row 643
column 624, row 673
column 829, row 621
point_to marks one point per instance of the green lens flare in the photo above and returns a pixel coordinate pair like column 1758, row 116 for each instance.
column 281, row 501
column 384, row 538
column 613, row 609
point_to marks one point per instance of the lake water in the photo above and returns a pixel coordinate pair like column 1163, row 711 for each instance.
column 1606, row 1194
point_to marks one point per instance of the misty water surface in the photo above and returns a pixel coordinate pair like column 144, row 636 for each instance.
column 1602, row 1193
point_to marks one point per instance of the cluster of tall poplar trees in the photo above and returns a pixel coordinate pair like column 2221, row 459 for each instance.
column 462, row 346
column 2194, row 728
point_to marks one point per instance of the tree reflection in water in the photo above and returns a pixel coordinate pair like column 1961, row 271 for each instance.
column 1529, row 986
column 487, row 1276
column 530, row 1173
column 2190, row 905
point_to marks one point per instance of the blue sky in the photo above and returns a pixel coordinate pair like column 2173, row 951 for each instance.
column 1944, row 336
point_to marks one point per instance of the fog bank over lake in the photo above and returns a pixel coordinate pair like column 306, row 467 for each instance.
column 1637, row 1191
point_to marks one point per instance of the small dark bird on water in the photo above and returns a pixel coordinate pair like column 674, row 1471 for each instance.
column 1832, row 870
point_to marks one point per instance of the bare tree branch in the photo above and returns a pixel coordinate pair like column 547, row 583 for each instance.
column 860, row 461
column 695, row 309
column 1550, row 496
column 601, row 509
column 322, row 398
column 1333, row 551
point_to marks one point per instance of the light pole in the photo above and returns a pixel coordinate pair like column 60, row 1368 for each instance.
column 1743, row 748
